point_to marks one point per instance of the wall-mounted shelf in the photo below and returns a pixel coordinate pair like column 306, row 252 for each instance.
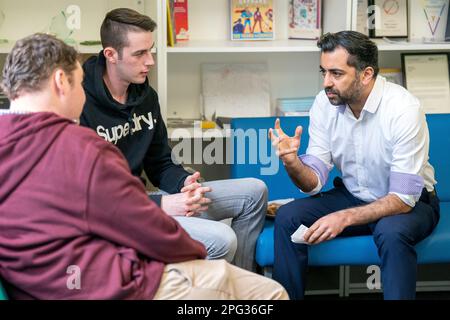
column 204, row 46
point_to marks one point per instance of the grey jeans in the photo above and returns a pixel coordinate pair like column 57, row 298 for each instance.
column 242, row 200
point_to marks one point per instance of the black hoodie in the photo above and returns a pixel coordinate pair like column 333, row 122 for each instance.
column 136, row 127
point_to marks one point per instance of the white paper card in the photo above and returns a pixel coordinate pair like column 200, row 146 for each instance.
column 297, row 236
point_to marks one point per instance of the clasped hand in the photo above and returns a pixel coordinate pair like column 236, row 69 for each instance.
column 191, row 201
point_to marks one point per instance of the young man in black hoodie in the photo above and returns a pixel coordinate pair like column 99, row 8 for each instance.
column 124, row 110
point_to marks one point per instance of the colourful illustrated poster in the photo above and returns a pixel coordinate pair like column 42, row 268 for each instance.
column 252, row 19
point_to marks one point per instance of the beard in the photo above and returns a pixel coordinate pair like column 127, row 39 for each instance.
column 350, row 96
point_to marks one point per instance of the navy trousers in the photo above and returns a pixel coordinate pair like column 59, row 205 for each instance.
column 394, row 236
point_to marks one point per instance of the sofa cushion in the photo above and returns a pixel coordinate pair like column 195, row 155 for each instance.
column 439, row 127
column 361, row 250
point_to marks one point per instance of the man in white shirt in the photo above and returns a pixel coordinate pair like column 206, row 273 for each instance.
column 375, row 133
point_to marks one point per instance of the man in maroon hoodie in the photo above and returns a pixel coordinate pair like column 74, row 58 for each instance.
column 74, row 222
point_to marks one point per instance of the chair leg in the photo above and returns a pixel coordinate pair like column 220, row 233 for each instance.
column 341, row 281
column 347, row 281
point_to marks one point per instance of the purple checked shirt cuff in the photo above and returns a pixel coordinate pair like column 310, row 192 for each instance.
column 408, row 187
column 317, row 165
column 406, row 183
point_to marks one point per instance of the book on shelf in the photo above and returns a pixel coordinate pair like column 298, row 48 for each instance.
column 180, row 15
column 171, row 39
column 290, row 107
column 428, row 20
column 251, row 19
column 305, row 19
column 181, row 123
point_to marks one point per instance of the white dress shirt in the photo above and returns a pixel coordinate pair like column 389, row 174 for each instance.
column 384, row 151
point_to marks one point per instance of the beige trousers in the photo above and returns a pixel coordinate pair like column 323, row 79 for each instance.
column 215, row 280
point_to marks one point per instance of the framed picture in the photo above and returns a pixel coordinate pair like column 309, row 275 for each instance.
column 388, row 18
column 447, row 29
column 305, row 19
column 428, row 20
column 426, row 76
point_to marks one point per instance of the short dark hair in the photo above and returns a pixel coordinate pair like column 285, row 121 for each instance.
column 32, row 61
column 118, row 23
column 363, row 52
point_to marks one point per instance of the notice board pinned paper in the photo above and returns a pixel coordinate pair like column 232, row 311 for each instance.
column 235, row 90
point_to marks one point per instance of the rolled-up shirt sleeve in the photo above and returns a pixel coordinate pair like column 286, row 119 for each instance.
column 318, row 154
column 409, row 154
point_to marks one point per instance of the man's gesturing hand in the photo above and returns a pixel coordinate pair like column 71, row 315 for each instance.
column 287, row 147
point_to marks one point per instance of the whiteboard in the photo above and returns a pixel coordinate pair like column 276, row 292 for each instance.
column 235, row 90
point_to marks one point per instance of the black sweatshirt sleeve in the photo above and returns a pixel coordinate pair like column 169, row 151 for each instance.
column 158, row 164
column 156, row 198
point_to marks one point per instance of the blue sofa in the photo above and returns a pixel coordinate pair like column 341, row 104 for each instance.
column 359, row 250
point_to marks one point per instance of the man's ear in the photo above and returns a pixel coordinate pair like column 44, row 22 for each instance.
column 60, row 80
column 367, row 75
column 110, row 54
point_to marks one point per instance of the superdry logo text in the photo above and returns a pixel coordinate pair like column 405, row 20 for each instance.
column 120, row 131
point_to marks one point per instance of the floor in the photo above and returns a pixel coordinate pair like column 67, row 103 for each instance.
column 377, row 296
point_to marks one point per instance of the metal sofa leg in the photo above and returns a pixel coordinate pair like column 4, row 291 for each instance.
column 346, row 281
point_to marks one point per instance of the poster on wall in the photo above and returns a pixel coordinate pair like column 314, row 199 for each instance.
column 251, row 19
column 428, row 20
